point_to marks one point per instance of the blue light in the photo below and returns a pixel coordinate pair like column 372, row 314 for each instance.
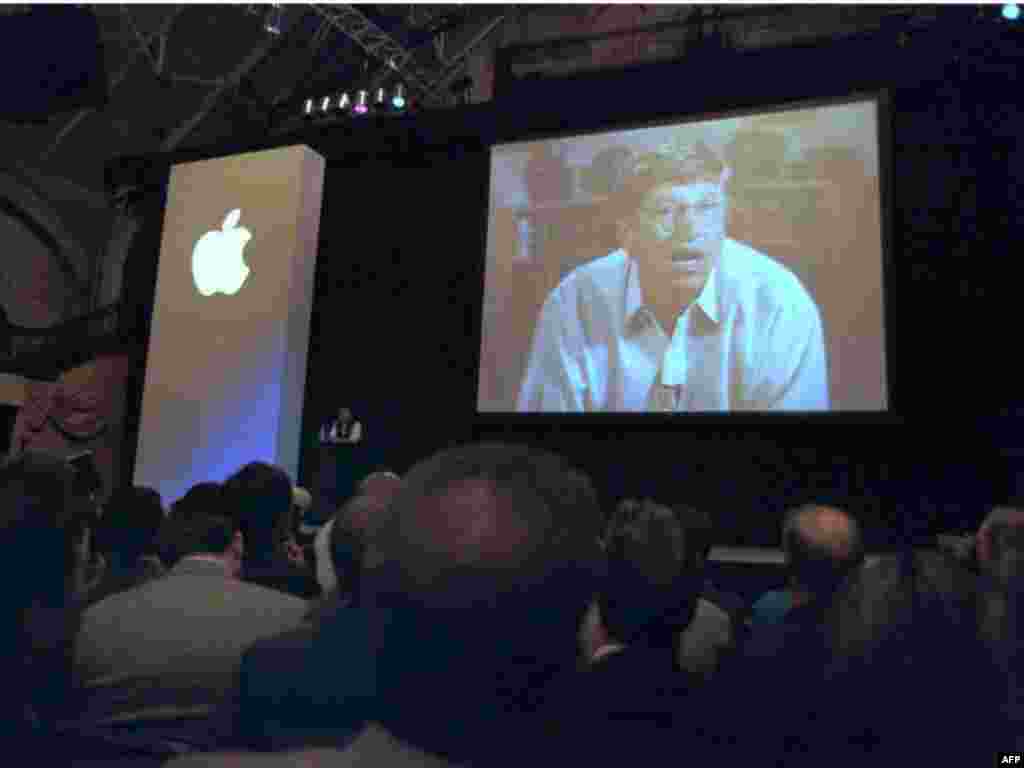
column 1011, row 11
column 398, row 97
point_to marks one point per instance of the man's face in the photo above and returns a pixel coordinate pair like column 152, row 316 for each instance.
column 676, row 235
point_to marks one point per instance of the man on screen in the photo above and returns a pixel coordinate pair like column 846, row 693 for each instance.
column 680, row 318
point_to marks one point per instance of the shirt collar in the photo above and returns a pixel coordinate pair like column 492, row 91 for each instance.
column 634, row 299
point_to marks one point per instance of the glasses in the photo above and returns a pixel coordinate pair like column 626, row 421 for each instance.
column 675, row 213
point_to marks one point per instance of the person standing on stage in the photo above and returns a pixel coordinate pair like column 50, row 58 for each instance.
column 344, row 429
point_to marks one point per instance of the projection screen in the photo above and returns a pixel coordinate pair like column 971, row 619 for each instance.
column 719, row 265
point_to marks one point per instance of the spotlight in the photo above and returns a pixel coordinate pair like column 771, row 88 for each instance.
column 398, row 97
column 380, row 98
column 1011, row 11
column 274, row 17
column 362, row 103
column 307, row 108
column 325, row 104
column 344, row 102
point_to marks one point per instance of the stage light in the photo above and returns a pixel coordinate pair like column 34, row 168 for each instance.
column 1011, row 11
column 325, row 104
column 344, row 101
column 362, row 105
column 274, row 17
column 398, row 97
column 380, row 98
column 307, row 108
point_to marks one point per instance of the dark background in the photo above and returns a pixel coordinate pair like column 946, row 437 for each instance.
column 396, row 318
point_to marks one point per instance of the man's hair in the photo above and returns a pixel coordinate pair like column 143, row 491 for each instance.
column 203, row 535
column 259, row 498
column 652, row 582
column 488, row 532
column 201, row 501
column 131, row 520
column 678, row 162
column 822, row 545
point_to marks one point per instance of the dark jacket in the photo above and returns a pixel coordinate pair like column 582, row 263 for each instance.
column 309, row 687
column 278, row 573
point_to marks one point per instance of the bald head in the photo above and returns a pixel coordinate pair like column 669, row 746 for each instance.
column 341, row 544
column 384, row 483
column 1000, row 544
column 490, row 517
column 822, row 545
column 827, row 528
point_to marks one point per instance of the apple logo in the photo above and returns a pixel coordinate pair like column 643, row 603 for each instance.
column 217, row 264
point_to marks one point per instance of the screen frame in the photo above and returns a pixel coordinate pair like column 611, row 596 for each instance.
column 891, row 415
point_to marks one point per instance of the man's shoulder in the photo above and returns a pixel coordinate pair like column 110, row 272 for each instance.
column 156, row 594
column 751, row 276
column 598, row 276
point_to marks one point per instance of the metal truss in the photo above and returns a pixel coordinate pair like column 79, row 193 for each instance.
column 454, row 64
column 428, row 84
column 379, row 45
column 145, row 47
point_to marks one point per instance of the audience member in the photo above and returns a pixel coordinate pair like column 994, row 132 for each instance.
column 651, row 591
column 127, row 538
column 475, row 584
column 311, row 686
column 894, row 667
column 1000, row 560
column 714, row 631
column 484, row 569
column 375, row 492
column 822, row 544
column 259, row 498
column 42, row 533
column 157, row 661
column 634, row 691
column 908, row 673
column 339, row 546
column 701, row 531
column 201, row 501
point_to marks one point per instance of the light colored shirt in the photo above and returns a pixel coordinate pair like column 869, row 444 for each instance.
column 752, row 341
column 332, row 435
